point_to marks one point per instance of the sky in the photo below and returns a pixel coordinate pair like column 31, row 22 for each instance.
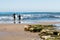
column 29, row 5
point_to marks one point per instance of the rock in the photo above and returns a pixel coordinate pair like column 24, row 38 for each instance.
column 45, row 37
column 26, row 28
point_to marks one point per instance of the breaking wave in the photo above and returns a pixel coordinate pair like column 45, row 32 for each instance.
column 30, row 18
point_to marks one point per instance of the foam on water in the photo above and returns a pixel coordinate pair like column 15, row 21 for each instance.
column 30, row 17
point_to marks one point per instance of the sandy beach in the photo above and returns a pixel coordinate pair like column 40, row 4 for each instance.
column 16, row 32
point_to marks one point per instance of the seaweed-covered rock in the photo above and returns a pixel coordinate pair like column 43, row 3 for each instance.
column 46, row 32
column 53, row 38
column 37, row 28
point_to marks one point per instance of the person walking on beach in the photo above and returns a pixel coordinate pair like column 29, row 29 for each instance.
column 14, row 17
column 19, row 18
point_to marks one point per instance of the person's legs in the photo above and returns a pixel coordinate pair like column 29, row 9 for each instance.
column 14, row 21
column 19, row 21
column 19, row 18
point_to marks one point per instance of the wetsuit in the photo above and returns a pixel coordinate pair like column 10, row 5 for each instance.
column 19, row 18
column 14, row 17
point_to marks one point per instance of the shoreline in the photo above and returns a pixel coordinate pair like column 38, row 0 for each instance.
column 16, row 31
column 34, row 23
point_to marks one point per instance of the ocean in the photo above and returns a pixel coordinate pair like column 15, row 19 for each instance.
column 29, row 17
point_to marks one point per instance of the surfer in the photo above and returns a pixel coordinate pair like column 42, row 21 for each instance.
column 19, row 16
column 14, row 17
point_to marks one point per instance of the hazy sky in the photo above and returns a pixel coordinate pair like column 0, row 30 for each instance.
column 30, row 5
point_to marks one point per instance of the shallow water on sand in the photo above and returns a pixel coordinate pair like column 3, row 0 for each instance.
column 57, row 26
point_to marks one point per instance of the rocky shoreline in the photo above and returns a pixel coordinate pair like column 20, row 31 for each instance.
column 46, row 32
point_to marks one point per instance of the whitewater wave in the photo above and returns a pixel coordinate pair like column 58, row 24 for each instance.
column 27, row 18
column 39, row 16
